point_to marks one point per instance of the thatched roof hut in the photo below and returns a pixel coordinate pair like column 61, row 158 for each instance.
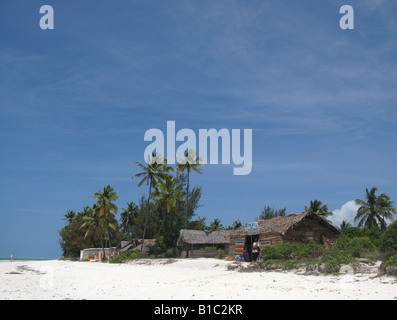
column 198, row 237
column 283, row 224
column 197, row 242
column 292, row 228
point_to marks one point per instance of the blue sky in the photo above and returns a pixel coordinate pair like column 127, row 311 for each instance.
column 76, row 101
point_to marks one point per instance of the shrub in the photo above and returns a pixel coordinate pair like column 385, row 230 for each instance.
column 359, row 246
column 172, row 253
column 291, row 251
column 392, row 261
column 220, row 254
column 389, row 239
column 335, row 257
column 373, row 233
column 129, row 255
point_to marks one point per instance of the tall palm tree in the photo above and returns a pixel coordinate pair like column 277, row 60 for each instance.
column 93, row 223
column 317, row 206
column 70, row 216
column 168, row 193
column 156, row 170
column 191, row 163
column 374, row 212
column 107, row 210
column 127, row 218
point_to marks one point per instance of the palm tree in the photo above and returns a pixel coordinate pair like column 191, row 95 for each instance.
column 70, row 216
column 127, row 218
column 156, row 169
column 344, row 225
column 317, row 207
column 215, row 225
column 93, row 223
column 374, row 212
column 107, row 210
column 191, row 163
column 168, row 193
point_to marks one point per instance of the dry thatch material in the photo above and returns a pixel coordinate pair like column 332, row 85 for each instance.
column 197, row 237
column 284, row 224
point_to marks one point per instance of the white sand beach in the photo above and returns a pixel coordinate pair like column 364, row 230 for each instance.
column 178, row 279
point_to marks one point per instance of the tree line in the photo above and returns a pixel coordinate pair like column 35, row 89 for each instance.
column 171, row 205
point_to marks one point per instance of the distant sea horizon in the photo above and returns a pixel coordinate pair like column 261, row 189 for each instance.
column 24, row 259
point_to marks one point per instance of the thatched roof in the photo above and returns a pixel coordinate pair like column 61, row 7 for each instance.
column 203, row 237
column 282, row 225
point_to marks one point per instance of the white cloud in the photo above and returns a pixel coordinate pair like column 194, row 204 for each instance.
column 347, row 213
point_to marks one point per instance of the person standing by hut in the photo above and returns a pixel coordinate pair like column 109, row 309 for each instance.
column 255, row 250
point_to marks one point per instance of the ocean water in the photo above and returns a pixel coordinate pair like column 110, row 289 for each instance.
column 23, row 259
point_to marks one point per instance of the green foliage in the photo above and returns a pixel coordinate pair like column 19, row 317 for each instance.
column 126, row 256
column 215, row 225
column 389, row 239
column 270, row 213
column 74, row 238
column 345, row 250
column 292, row 251
column 373, row 233
column 335, row 257
column 359, row 246
column 172, row 253
column 317, row 206
column 392, row 261
column 220, row 254
column 375, row 211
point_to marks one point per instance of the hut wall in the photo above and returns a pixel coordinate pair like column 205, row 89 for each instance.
column 95, row 253
column 235, row 244
column 270, row 239
column 311, row 229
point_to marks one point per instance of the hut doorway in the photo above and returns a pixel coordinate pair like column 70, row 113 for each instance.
column 249, row 241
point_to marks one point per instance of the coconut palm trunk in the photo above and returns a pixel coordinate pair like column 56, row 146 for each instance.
column 147, row 214
column 102, row 245
column 187, row 200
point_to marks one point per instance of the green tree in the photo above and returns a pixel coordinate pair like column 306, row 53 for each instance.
column 156, row 170
column 168, row 193
column 73, row 238
column 215, row 225
column 270, row 213
column 236, row 225
column 344, row 225
column 93, row 223
column 70, row 216
column 375, row 211
column 317, row 207
column 191, row 163
column 128, row 219
column 198, row 224
column 106, row 210
column 389, row 239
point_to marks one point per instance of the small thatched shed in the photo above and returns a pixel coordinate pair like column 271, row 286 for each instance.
column 135, row 244
column 198, row 242
column 292, row 228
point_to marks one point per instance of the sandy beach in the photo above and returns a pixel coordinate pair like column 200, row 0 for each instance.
column 178, row 279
